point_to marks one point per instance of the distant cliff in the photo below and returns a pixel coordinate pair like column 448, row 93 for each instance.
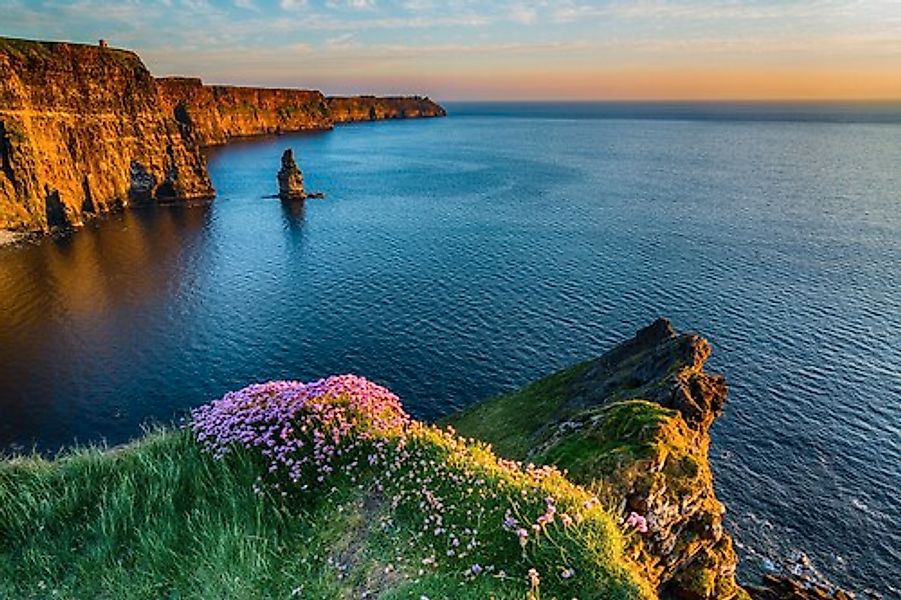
column 218, row 113
column 370, row 108
column 87, row 129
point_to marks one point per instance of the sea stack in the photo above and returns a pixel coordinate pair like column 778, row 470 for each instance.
column 290, row 179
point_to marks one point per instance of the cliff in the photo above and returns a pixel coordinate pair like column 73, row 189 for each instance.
column 370, row 108
column 218, row 113
column 82, row 131
column 87, row 129
column 330, row 489
column 632, row 426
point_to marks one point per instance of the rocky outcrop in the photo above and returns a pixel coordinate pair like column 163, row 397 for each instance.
column 633, row 426
column 82, row 131
column 667, row 477
column 792, row 587
column 87, row 129
column 290, row 179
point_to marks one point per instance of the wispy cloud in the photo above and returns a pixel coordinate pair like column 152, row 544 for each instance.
column 475, row 44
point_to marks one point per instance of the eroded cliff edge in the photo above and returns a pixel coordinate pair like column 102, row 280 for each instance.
column 87, row 129
column 633, row 426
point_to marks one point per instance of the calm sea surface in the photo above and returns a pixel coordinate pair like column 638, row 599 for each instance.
column 458, row 258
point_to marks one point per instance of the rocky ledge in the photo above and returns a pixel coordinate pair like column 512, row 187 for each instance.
column 87, row 129
column 633, row 426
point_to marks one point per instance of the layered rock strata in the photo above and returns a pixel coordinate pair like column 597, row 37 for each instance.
column 82, row 131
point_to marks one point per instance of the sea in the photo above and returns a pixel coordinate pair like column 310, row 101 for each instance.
column 455, row 259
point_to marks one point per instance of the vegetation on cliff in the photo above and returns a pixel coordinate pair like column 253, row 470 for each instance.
column 321, row 490
column 632, row 426
column 330, row 490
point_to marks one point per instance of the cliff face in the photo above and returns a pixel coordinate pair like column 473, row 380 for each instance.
column 370, row 108
column 633, row 426
column 82, row 131
column 219, row 113
column 85, row 129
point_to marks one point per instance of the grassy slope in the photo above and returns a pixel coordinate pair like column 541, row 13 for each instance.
column 630, row 445
column 161, row 519
column 618, row 434
column 510, row 422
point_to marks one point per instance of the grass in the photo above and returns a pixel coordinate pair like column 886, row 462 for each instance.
column 161, row 518
column 48, row 51
column 512, row 422
column 596, row 445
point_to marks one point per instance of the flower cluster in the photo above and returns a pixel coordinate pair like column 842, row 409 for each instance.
column 637, row 521
column 304, row 431
column 445, row 502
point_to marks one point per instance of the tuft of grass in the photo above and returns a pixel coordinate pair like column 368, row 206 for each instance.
column 156, row 519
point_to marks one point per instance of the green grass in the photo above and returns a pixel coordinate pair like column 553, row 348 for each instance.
column 48, row 51
column 512, row 421
column 161, row 519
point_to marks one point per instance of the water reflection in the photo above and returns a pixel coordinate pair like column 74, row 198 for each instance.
column 79, row 299
column 295, row 214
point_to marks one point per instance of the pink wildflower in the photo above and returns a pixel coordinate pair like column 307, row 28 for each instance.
column 638, row 522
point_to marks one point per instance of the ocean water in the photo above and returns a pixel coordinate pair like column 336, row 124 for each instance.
column 458, row 258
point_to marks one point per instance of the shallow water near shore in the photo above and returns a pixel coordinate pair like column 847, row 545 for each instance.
column 457, row 258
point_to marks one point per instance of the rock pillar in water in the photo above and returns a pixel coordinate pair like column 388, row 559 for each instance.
column 290, row 179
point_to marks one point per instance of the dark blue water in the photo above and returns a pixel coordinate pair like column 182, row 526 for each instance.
column 458, row 258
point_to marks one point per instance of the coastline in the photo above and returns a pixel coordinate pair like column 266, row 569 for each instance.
column 630, row 427
column 118, row 136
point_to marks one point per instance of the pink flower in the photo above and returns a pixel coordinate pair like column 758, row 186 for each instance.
column 638, row 522
column 523, row 536
column 534, row 580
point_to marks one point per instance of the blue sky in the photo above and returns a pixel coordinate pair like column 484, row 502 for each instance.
column 456, row 49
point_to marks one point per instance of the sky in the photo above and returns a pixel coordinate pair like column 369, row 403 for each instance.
column 501, row 50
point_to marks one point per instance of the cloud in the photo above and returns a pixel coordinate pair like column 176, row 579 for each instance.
column 292, row 4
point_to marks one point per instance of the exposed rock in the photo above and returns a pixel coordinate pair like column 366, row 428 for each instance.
column 784, row 587
column 74, row 120
column 687, row 553
column 290, row 179
column 633, row 426
column 660, row 366
column 87, row 129
column 216, row 114
column 370, row 108
column 798, row 579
